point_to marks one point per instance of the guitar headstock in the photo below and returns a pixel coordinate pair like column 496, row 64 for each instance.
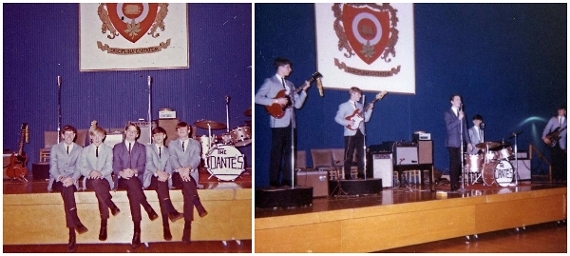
column 26, row 132
column 381, row 95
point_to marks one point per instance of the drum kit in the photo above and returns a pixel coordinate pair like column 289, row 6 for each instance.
column 221, row 157
column 492, row 165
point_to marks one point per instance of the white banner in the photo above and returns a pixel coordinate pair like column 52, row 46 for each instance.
column 133, row 36
column 370, row 46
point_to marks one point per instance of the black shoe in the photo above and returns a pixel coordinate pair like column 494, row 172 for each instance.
column 115, row 210
column 203, row 213
column 186, row 236
column 166, row 234
column 274, row 184
column 136, row 240
column 152, row 214
column 72, row 245
column 80, row 228
column 175, row 215
column 286, row 183
column 103, row 233
column 347, row 177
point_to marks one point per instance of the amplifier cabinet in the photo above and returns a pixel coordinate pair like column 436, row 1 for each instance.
column 406, row 155
column 383, row 168
column 425, row 152
column 316, row 179
column 524, row 168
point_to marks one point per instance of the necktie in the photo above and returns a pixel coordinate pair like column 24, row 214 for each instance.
column 354, row 104
column 283, row 82
column 67, row 150
column 159, row 151
column 96, row 151
column 183, row 146
column 129, row 147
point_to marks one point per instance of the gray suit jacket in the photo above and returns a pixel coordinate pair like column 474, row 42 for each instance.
column 452, row 125
column 551, row 126
column 104, row 163
column 476, row 138
column 123, row 160
column 347, row 109
column 190, row 157
column 266, row 94
column 62, row 164
column 155, row 162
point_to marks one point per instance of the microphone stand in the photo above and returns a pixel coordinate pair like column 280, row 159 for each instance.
column 227, row 114
column 58, row 108
column 149, row 80
column 292, row 123
column 516, row 173
column 364, row 135
column 461, row 148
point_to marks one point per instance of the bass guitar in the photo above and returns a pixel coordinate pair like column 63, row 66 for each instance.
column 552, row 138
column 356, row 116
column 18, row 162
column 277, row 110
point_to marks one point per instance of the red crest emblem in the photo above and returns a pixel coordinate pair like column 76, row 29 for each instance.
column 367, row 31
column 132, row 20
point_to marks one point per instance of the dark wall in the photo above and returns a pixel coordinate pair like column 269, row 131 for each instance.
column 38, row 49
column 507, row 60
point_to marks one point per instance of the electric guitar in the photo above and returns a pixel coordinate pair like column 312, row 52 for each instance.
column 552, row 138
column 18, row 162
column 277, row 110
column 357, row 118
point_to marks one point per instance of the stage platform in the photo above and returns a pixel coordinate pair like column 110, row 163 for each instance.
column 33, row 216
column 407, row 216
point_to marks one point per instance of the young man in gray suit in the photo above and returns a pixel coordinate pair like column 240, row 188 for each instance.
column 353, row 132
column 158, row 175
column 557, row 147
column 455, row 125
column 184, row 161
column 281, row 126
column 64, row 174
column 96, row 164
column 129, row 158
column 476, row 133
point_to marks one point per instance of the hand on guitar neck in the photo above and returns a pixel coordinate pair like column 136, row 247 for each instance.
column 356, row 118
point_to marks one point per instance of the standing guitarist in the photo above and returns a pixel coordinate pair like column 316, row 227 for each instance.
column 554, row 135
column 281, row 124
column 350, row 115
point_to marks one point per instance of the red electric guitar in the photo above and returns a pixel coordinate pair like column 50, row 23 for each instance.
column 278, row 111
column 357, row 117
column 18, row 162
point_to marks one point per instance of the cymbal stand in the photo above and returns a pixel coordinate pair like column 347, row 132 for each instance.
column 58, row 108
column 338, row 188
column 228, row 113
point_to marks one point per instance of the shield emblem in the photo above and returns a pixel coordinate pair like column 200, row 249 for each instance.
column 132, row 20
column 367, row 31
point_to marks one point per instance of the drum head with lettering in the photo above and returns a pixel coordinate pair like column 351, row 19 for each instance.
column 225, row 162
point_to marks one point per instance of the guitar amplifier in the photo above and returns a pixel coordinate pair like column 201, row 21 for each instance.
column 406, row 154
column 316, row 179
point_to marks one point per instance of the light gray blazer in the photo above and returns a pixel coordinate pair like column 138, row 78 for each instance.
column 62, row 164
column 346, row 109
column 104, row 163
column 155, row 162
column 476, row 138
column 266, row 94
column 551, row 126
column 190, row 157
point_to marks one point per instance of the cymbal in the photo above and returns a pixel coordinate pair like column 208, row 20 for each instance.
column 247, row 112
column 205, row 124
column 490, row 144
column 501, row 146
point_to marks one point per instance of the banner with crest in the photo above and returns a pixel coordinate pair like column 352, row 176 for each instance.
column 370, row 46
column 133, row 36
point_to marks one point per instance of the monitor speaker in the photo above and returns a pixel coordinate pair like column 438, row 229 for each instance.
column 383, row 168
column 425, row 152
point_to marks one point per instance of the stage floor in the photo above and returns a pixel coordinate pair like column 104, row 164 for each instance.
column 411, row 194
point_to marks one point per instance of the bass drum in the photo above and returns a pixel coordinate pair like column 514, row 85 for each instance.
column 500, row 172
column 225, row 162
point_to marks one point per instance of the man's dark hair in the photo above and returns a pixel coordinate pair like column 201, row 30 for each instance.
column 278, row 62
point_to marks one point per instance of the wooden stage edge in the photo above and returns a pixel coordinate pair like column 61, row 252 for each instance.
column 387, row 226
column 38, row 218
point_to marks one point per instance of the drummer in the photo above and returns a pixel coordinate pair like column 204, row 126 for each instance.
column 476, row 134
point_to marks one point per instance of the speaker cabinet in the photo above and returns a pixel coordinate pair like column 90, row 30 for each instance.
column 524, row 168
column 383, row 168
column 316, row 179
column 406, row 155
column 425, row 152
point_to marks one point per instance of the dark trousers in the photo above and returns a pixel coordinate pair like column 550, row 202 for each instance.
column 136, row 196
column 454, row 166
column 280, row 152
column 69, row 205
column 163, row 193
column 351, row 143
column 102, row 188
column 558, row 163
column 191, row 198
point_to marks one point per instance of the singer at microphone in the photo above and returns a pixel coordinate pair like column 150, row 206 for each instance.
column 456, row 139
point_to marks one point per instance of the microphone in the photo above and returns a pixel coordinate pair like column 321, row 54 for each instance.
column 149, row 79
column 58, row 81
column 320, row 86
column 461, row 107
column 228, row 98
column 482, row 126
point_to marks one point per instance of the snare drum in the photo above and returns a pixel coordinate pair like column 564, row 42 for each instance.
column 500, row 172
column 505, row 153
column 474, row 162
column 225, row 162
column 241, row 136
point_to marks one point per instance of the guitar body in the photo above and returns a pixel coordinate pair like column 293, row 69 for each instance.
column 356, row 118
column 553, row 137
column 276, row 110
column 17, row 168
